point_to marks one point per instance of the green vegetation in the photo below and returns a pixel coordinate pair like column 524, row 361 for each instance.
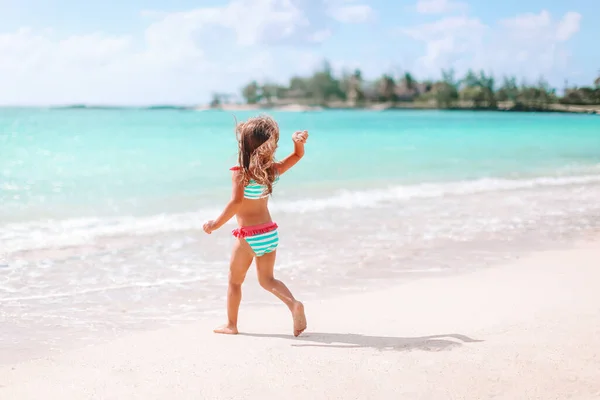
column 476, row 90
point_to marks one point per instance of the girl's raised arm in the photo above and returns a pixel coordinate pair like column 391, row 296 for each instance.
column 299, row 139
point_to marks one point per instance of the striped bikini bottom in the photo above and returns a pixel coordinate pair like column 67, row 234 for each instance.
column 262, row 238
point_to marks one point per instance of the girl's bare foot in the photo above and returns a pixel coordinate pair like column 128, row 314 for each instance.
column 227, row 330
column 299, row 318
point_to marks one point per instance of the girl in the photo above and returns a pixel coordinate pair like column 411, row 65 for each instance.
column 257, row 237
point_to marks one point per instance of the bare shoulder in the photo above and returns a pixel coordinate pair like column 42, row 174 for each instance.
column 236, row 174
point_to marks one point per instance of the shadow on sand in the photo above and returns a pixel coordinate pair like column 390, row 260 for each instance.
column 352, row 340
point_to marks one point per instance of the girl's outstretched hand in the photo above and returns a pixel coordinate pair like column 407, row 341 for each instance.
column 300, row 137
column 208, row 227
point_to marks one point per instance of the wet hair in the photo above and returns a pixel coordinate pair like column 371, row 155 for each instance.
column 257, row 139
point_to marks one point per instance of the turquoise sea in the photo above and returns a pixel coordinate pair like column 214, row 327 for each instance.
column 101, row 210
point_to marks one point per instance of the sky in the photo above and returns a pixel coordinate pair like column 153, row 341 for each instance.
column 140, row 52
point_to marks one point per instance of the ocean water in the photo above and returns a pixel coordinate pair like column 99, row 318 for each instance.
column 101, row 211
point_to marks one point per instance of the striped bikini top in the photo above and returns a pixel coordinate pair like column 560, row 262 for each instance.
column 254, row 190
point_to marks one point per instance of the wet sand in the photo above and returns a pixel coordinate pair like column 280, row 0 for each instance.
column 526, row 330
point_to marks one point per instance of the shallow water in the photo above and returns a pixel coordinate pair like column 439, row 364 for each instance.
column 101, row 216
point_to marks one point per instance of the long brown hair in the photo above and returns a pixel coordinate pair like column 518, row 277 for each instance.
column 257, row 139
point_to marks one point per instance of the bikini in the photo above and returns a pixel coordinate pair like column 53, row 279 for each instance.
column 262, row 238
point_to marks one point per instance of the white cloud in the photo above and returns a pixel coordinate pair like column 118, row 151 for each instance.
column 25, row 50
column 252, row 21
column 527, row 45
column 177, row 59
column 541, row 27
column 568, row 26
column 353, row 13
column 528, row 22
column 453, row 26
column 321, row 36
column 439, row 6
column 449, row 41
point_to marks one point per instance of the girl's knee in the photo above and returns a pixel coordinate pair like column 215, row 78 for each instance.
column 236, row 279
column 235, row 285
column 266, row 282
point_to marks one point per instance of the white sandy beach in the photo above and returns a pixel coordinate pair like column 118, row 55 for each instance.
column 528, row 330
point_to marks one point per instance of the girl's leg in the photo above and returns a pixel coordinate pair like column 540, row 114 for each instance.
column 241, row 259
column 265, row 265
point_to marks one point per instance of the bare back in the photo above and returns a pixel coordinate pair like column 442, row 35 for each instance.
column 253, row 212
column 254, row 207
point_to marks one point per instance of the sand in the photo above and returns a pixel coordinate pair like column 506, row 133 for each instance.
column 527, row 330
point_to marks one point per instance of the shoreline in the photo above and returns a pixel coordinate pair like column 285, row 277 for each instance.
column 298, row 107
column 205, row 295
column 522, row 329
column 502, row 107
column 256, row 299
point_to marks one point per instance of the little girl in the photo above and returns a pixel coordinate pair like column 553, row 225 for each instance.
column 257, row 238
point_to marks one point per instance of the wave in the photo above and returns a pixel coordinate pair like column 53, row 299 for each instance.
column 373, row 198
column 104, row 289
column 53, row 234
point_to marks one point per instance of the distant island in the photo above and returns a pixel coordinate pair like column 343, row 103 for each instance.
column 475, row 91
column 115, row 107
column 324, row 90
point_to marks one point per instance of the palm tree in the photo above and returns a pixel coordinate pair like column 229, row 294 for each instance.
column 387, row 88
column 353, row 87
column 409, row 81
column 487, row 84
column 216, row 100
column 597, row 81
column 478, row 89
column 446, row 91
column 251, row 93
column 324, row 86
column 470, row 80
column 547, row 94
column 448, row 78
column 509, row 90
column 269, row 92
